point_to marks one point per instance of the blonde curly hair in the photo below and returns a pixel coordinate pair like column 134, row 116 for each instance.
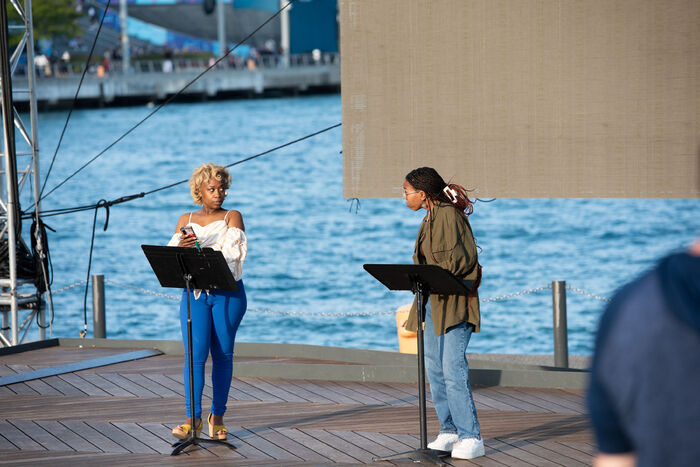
column 203, row 174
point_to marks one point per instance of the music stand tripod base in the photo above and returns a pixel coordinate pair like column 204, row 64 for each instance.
column 193, row 440
column 420, row 456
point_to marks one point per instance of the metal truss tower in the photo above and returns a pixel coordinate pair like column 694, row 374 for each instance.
column 19, row 169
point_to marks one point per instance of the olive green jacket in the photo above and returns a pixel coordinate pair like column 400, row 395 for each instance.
column 453, row 248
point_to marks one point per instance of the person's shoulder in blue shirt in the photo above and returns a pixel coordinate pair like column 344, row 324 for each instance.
column 644, row 394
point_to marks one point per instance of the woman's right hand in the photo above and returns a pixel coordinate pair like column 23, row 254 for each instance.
column 187, row 241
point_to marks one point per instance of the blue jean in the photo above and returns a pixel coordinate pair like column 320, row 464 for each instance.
column 448, row 373
column 215, row 320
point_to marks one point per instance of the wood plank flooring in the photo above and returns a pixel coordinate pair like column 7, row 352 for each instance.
column 123, row 414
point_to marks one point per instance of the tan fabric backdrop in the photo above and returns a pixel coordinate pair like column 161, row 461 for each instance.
column 523, row 98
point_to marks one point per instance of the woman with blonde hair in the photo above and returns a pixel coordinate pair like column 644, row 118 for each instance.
column 215, row 314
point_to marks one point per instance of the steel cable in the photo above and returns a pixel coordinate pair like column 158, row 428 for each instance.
column 75, row 98
column 123, row 199
column 168, row 101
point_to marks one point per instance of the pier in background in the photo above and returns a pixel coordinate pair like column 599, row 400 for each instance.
column 156, row 80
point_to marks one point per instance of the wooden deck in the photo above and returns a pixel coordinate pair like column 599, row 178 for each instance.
column 122, row 414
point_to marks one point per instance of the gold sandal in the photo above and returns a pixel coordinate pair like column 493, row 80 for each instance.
column 216, row 431
column 183, row 431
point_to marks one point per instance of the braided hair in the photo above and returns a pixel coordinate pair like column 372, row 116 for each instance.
column 427, row 179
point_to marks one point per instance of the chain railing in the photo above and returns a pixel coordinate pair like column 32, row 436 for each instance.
column 588, row 294
column 558, row 288
column 313, row 315
column 364, row 313
column 139, row 289
column 515, row 294
column 68, row 287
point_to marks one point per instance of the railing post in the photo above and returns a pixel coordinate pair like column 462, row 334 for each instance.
column 99, row 326
column 561, row 345
column 42, row 319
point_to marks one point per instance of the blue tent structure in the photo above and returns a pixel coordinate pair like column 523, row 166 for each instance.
column 313, row 25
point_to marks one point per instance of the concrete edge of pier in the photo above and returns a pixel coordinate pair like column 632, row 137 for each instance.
column 297, row 361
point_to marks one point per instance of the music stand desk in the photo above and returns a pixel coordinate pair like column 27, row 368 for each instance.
column 422, row 280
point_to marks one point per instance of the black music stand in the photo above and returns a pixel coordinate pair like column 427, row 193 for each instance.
column 422, row 280
column 186, row 268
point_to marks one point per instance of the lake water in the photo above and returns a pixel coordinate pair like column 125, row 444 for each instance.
column 306, row 247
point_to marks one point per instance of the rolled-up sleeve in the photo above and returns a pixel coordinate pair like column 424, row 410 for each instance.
column 234, row 246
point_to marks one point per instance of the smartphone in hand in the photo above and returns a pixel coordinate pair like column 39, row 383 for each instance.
column 187, row 231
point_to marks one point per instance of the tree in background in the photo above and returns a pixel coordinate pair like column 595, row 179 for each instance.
column 51, row 18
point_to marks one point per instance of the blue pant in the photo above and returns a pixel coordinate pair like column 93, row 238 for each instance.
column 215, row 320
column 448, row 372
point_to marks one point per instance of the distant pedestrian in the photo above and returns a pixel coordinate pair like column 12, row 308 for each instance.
column 270, row 46
column 252, row 61
column 117, row 58
column 65, row 62
column 644, row 395
column 167, row 60
column 42, row 65
column 107, row 60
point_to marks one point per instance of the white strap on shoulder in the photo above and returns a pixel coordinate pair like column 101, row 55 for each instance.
column 190, row 220
column 226, row 217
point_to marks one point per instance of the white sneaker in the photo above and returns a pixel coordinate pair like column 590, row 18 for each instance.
column 468, row 448
column 444, row 442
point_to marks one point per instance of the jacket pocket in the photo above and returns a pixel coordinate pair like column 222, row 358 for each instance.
column 444, row 258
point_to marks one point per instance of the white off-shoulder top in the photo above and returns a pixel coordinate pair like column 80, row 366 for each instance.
column 218, row 235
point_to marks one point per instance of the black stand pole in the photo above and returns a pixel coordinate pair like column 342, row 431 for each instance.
column 421, row 279
column 192, row 439
column 423, row 454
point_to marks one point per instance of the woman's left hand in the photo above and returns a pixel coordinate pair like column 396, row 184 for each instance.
column 187, row 241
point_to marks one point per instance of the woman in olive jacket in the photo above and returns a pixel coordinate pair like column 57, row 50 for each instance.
column 445, row 238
